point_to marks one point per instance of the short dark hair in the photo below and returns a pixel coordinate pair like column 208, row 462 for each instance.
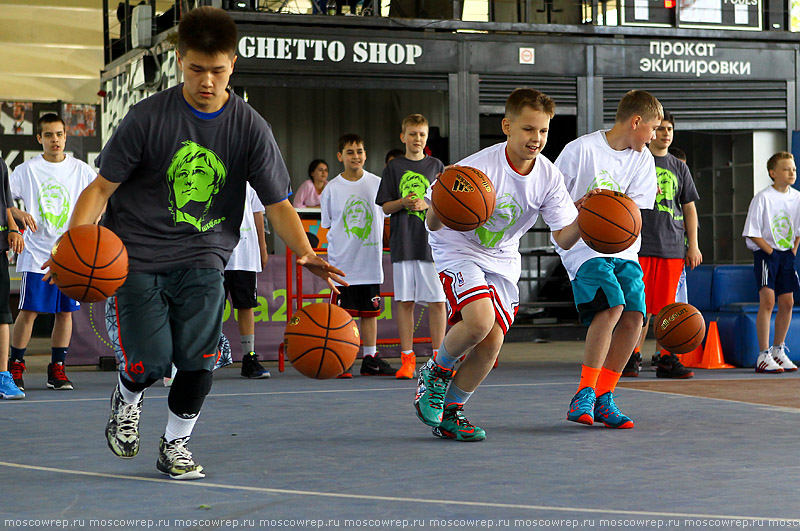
column 393, row 154
column 678, row 152
column 49, row 118
column 313, row 166
column 668, row 118
column 528, row 97
column 349, row 138
column 207, row 30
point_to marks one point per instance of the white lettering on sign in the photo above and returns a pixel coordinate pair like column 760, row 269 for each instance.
column 335, row 51
column 527, row 56
column 662, row 60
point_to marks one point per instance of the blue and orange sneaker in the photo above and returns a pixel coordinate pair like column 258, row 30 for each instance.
column 581, row 409
column 431, row 387
column 456, row 426
column 609, row 414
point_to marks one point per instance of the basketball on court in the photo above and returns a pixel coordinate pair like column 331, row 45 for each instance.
column 679, row 328
column 609, row 222
column 321, row 341
column 89, row 263
column 463, row 198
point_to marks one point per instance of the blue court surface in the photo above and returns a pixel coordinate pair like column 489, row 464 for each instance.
column 291, row 452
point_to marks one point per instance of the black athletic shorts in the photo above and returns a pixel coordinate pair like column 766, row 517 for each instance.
column 241, row 285
column 363, row 300
column 166, row 318
column 5, row 290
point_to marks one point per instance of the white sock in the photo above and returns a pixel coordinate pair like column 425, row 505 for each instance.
column 370, row 351
column 406, row 352
column 178, row 426
column 128, row 396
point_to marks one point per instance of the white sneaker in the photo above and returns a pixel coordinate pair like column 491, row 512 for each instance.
column 780, row 357
column 766, row 363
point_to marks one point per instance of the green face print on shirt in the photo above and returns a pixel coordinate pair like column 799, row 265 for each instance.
column 605, row 181
column 782, row 231
column 668, row 187
column 358, row 218
column 416, row 183
column 195, row 176
column 506, row 213
column 54, row 204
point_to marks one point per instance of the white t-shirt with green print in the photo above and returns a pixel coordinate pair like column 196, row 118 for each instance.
column 49, row 191
column 589, row 162
column 355, row 238
column 520, row 200
column 774, row 216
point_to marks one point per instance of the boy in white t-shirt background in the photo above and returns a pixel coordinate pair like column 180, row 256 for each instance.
column 355, row 245
column 608, row 288
column 479, row 269
column 772, row 232
column 48, row 185
column 249, row 258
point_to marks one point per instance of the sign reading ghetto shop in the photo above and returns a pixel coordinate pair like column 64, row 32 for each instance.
column 337, row 52
column 704, row 60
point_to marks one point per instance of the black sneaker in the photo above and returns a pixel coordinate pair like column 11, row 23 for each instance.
column 633, row 366
column 375, row 366
column 16, row 368
column 670, row 367
column 251, row 368
column 57, row 378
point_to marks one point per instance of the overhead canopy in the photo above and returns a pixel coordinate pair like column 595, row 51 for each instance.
column 51, row 50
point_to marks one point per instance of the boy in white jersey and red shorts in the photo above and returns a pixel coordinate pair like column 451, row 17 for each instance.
column 479, row 269
column 608, row 288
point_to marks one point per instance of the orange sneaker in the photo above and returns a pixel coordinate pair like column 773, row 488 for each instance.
column 408, row 369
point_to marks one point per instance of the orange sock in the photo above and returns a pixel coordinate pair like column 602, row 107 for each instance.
column 607, row 381
column 588, row 377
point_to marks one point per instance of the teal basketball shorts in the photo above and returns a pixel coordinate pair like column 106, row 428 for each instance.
column 602, row 283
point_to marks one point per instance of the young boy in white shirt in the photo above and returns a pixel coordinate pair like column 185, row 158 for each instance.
column 49, row 186
column 608, row 288
column 772, row 232
column 249, row 258
column 355, row 245
column 479, row 269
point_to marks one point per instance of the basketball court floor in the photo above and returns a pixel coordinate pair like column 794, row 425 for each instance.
column 290, row 452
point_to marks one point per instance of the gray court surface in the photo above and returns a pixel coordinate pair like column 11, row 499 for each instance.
column 295, row 453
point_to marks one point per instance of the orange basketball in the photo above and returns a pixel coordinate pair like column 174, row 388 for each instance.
column 321, row 341
column 609, row 222
column 89, row 263
column 679, row 327
column 463, row 198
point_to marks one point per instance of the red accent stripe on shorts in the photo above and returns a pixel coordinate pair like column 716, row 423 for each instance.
column 119, row 339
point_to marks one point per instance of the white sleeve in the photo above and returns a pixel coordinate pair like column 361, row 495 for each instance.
column 558, row 209
column 325, row 207
column 16, row 183
column 255, row 202
column 568, row 162
column 755, row 213
column 644, row 187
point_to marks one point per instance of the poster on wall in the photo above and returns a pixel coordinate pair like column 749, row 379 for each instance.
column 794, row 15
column 720, row 14
column 81, row 120
column 16, row 118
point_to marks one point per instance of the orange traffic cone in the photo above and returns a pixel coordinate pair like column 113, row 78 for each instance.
column 691, row 359
column 712, row 355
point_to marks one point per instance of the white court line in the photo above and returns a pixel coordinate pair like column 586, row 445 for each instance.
column 204, row 484
column 731, row 400
column 270, row 393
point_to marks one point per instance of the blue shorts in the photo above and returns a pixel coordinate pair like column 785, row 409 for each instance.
column 775, row 271
column 602, row 283
column 43, row 297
